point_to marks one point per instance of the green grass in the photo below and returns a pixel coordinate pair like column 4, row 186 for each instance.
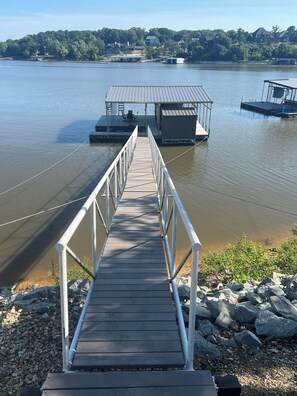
column 73, row 272
column 246, row 260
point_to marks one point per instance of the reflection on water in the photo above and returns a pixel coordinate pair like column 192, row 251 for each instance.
column 243, row 180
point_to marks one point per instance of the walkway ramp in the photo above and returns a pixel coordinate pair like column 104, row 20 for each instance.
column 130, row 321
column 131, row 338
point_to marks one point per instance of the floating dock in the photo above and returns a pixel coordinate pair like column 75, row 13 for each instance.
column 175, row 114
column 279, row 98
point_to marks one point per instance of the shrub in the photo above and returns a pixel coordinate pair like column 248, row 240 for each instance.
column 294, row 229
column 242, row 261
column 73, row 272
column 285, row 256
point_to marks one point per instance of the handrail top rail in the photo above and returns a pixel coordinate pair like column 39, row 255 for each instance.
column 195, row 242
column 62, row 243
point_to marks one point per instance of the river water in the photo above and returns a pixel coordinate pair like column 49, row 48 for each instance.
column 243, row 180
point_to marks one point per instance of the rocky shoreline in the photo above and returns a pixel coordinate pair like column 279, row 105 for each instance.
column 30, row 333
column 249, row 330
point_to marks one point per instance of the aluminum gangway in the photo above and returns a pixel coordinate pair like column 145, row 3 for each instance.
column 131, row 338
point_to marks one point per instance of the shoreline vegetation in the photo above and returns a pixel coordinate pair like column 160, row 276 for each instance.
column 241, row 260
column 137, row 44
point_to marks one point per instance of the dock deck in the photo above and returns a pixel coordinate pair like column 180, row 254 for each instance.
column 271, row 109
column 129, row 343
column 114, row 128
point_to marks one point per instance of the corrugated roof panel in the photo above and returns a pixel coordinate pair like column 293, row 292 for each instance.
column 178, row 112
column 157, row 94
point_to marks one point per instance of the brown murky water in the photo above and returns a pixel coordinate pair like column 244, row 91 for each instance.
column 243, row 180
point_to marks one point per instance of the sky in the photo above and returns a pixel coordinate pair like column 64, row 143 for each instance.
column 19, row 18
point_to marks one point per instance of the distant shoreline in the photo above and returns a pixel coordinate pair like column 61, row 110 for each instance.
column 107, row 61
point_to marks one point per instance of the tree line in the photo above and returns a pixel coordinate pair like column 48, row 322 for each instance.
column 194, row 45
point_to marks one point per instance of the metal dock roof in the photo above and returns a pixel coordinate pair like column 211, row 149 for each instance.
column 284, row 82
column 157, row 94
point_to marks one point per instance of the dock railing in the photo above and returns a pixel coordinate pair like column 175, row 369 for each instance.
column 172, row 213
column 108, row 192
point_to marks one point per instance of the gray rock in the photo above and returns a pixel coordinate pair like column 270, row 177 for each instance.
column 36, row 294
column 5, row 293
column 283, row 307
column 211, row 338
column 292, row 283
column 235, row 286
column 245, row 312
column 291, row 295
column 282, row 279
column 229, row 342
column 242, row 296
column 247, row 338
column 201, row 295
column 206, row 328
column 184, row 292
column 270, row 325
column 263, row 292
column 275, row 290
column 253, row 298
column 227, row 295
column 266, row 306
column 217, row 306
column 202, row 312
column 205, row 289
column 23, row 302
column 225, row 321
column 186, row 307
column 269, row 281
column 205, row 348
column 41, row 307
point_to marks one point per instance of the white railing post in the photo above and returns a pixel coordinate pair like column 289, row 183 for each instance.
column 64, row 306
column 107, row 204
column 116, row 184
column 192, row 313
column 94, row 237
column 121, row 172
column 174, row 232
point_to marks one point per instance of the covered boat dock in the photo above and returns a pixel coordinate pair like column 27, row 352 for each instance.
column 279, row 98
column 175, row 114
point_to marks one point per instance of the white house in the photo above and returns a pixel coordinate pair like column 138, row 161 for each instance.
column 152, row 40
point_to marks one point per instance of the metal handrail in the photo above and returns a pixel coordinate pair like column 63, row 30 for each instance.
column 167, row 192
column 117, row 173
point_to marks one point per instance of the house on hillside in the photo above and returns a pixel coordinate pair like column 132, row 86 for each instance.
column 134, row 49
column 261, row 35
column 124, row 49
column 283, row 36
column 152, row 40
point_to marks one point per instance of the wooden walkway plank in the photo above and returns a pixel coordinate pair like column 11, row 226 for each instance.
column 128, row 360
column 130, row 326
column 141, row 383
column 129, row 379
column 128, row 335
